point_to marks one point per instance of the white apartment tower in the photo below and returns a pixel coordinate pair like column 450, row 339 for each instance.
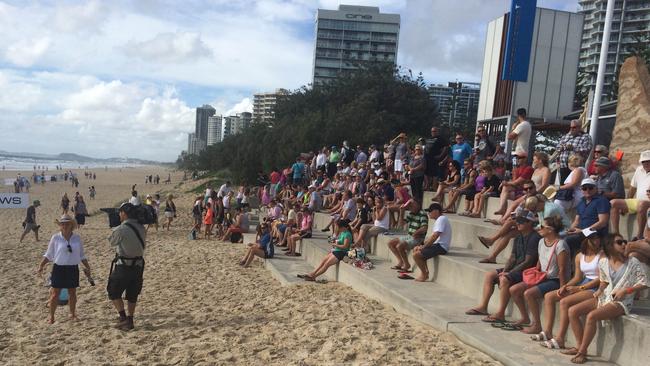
column 351, row 35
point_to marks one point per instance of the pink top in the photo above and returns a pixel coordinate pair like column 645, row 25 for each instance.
column 306, row 223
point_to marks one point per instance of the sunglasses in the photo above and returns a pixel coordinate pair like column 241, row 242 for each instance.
column 620, row 241
column 587, row 188
column 528, row 188
column 69, row 248
column 573, row 128
column 598, row 151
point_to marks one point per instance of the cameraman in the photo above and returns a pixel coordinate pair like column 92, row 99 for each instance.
column 128, row 265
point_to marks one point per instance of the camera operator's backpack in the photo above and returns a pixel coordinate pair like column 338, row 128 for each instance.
column 148, row 215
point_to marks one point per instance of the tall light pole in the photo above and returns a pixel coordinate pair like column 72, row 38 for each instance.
column 602, row 63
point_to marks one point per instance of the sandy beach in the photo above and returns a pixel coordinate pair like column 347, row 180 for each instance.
column 197, row 306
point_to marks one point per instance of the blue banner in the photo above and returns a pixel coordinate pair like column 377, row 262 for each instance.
column 521, row 24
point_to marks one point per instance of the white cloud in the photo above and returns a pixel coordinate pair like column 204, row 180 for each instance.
column 246, row 105
column 169, row 47
column 26, row 52
column 17, row 95
column 85, row 17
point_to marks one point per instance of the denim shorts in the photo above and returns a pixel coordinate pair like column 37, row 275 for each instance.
column 548, row 286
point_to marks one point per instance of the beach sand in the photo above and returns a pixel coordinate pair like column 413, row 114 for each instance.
column 197, row 306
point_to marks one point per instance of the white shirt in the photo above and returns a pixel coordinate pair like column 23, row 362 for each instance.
column 321, row 159
column 226, row 202
column 641, row 181
column 223, row 191
column 135, row 201
column 443, row 228
column 374, row 155
column 58, row 253
column 523, row 131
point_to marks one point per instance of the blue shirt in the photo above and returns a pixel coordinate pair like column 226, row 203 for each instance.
column 589, row 212
column 460, row 152
column 264, row 242
column 298, row 168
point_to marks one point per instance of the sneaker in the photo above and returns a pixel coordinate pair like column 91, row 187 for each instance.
column 388, row 233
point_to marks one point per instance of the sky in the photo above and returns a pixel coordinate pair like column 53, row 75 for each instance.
column 122, row 78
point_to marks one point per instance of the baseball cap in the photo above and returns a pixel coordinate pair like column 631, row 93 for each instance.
column 603, row 161
column 645, row 156
column 526, row 216
column 588, row 182
column 434, row 206
column 601, row 148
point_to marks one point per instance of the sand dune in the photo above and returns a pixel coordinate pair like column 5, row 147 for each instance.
column 197, row 306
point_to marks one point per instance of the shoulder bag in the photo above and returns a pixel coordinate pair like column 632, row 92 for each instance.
column 533, row 276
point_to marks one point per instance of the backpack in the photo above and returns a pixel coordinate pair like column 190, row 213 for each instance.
column 235, row 237
column 192, row 235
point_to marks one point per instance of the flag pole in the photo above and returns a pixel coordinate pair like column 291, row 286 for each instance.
column 600, row 77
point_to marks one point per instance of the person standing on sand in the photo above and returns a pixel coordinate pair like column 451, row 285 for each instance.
column 170, row 211
column 127, row 268
column 66, row 251
column 30, row 221
column 80, row 210
column 65, row 204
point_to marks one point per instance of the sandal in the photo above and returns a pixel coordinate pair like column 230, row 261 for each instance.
column 551, row 344
column 539, row 337
column 498, row 325
column 484, row 241
column 487, row 260
column 475, row 312
column 309, row 278
column 512, row 327
column 399, row 268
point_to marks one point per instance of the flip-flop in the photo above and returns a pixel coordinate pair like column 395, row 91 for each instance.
column 301, row 275
column 403, row 271
column 309, row 279
column 491, row 319
column 404, row 276
column 399, row 268
column 475, row 312
column 512, row 327
column 498, row 324
column 483, row 241
column 486, row 260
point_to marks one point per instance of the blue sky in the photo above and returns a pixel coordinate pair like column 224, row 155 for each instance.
column 93, row 77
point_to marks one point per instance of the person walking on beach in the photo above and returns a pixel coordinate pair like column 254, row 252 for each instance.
column 170, row 211
column 65, row 251
column 127, row 268
column 30, row 221
column 80, row 211
column 65, row 204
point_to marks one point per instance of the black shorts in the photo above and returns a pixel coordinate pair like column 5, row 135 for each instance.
column 305, row 234
column 339, row 255
column 125, row 279
column 513, row 277
column 469, row 193
column 65, row 276
column 432, row 251
column 80, row 218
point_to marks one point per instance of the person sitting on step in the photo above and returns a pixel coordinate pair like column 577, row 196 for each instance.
column 417, row 221
column 339, row 250
column 523, row 255
column 437, row 243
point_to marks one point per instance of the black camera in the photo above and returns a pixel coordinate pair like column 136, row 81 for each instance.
column 144, row 214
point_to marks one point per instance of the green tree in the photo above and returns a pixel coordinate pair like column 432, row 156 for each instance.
column 366, row 106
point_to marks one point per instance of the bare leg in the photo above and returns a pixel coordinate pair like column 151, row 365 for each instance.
column 504, row 297
column 532, row 296
column 608, row 311
column 575, row 312
column 54, row 302
column 72, row 303
column 422, row 265
column 392, row 246
column 488, row 290
column 641, row 217
column 517, row 294
column 329, row 261
column 503, row 200
column 500, row 245
column 619, row 207
column 565, row 304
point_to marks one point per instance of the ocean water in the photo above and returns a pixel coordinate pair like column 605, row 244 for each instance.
column 27, row 164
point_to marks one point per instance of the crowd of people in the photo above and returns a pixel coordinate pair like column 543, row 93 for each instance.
column 554, row 258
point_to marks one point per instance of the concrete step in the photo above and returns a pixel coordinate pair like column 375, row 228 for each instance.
column 285, row 269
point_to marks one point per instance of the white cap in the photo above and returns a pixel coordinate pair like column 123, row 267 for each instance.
column 588, row 182
column 645, row 156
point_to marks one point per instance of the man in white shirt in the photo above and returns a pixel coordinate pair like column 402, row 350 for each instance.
column 521, row 132
column 436, row 244
column 637, row 201
column 134, row 200
column 224, row 190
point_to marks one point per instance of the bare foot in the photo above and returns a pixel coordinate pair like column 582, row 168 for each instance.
column 499, row 213
column 50, row 321
column 74, row 318
column 522, row 322
column 533, row 329
column 579, row 358
column 423, row 277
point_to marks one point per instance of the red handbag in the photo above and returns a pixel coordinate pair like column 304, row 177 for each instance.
column 533, row 276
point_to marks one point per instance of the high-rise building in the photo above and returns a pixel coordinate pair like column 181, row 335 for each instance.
column 245, row 119
column 194, row 145
column 229, row 126
column 350, row 35
column 264, row 104
column 202, row 115
column 215, row 125
column 630, row 21
column 457, row 103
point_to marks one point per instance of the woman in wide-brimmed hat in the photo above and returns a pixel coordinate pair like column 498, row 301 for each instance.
column 65, row 251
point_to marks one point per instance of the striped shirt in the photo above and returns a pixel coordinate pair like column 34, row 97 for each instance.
column 416, row 221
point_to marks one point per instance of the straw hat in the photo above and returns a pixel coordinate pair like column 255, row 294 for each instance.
column 64, row 219
column 550, row 192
